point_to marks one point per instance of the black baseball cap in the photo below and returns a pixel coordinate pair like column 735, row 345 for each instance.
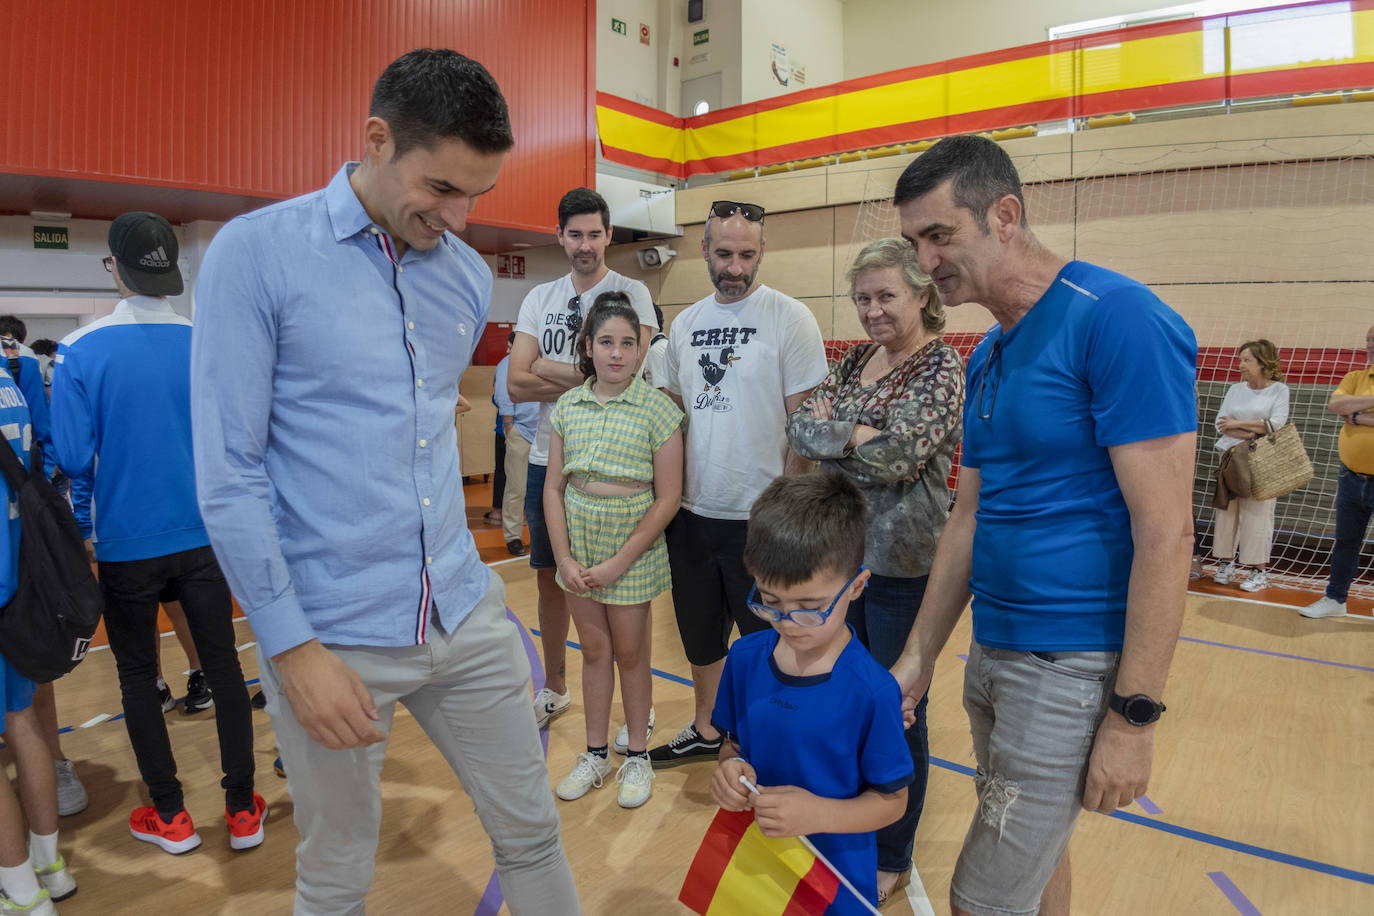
column 145, row 250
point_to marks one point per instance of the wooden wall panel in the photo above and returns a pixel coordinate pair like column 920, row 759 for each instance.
column 267, row 99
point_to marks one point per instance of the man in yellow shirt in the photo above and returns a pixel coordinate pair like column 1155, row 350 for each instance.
column 1353, row 400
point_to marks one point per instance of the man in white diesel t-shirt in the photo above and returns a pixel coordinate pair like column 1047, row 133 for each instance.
column 738, row 362
column 542, row 367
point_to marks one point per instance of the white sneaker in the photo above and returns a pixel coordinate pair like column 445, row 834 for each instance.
column 39, row 906
column 587, row 773
column 549, row 704
column 621, row 745
column 1324, row 607
column 56, row 880
column 71, row 794
column 636, row 778
column 1259, row 579
column 1224, row 575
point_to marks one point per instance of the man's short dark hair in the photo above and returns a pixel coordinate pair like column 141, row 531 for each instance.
column 982, row 172
column 583, row 200
column 44, row 347
column 432, row 94
column 11, row 326
column 800, row 527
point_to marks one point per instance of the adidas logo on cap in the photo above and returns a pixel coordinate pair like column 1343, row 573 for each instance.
column 156, row 259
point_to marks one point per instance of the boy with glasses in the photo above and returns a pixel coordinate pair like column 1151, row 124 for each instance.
column 807, row 715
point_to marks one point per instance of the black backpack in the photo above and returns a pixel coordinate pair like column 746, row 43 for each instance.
column 46, row 628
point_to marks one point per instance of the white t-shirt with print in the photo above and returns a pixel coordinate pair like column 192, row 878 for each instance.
column 544, row 316
column 733, row 366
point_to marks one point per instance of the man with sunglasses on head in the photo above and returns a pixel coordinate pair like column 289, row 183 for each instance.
column 739, row 362
column 543, row 365
column 1072, row 530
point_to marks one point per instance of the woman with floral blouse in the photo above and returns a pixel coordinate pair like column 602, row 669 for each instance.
column 889, row 416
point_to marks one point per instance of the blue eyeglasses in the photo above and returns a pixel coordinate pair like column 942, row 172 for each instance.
column 802, row 617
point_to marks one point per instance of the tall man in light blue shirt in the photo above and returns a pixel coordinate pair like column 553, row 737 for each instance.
column 332, row 492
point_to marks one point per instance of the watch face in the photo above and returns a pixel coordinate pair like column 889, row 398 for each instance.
column 1140, row 709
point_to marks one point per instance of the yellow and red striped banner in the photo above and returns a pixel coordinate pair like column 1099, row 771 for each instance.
column 740, row 872
column 1188, row 62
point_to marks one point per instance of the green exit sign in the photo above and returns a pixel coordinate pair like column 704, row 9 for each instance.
column 618, row 26
column 702, row 37
column 50, row 237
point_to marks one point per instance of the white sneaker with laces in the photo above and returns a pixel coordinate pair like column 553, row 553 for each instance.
column 1324, row 607
column 1259, row 579
column 636, row 778
column 1224, row 575
column 56, row 880
column 71, row 794
column 550, row 704
column 621, row 745
column 588, row 772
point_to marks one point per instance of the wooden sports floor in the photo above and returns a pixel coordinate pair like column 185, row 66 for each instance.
column 1261, row 800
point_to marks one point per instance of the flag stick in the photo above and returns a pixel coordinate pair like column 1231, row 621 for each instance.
column 806, row 841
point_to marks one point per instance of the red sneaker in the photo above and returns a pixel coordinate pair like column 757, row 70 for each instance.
column 177, row 837
column 245, row 827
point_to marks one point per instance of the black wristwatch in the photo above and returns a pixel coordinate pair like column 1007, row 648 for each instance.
column 1137, row 709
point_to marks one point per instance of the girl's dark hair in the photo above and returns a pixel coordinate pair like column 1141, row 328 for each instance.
column 614, row 304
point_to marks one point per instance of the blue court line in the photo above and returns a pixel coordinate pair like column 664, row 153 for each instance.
column 1238, row 900
column 1211, row 839
column 1296, row 658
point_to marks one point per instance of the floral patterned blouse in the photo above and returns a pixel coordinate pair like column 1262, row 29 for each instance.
column 903, row 471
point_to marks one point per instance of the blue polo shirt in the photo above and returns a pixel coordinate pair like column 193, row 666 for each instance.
column 1098, row 361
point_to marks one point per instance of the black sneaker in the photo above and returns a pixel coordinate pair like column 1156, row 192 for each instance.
column 198, row 698
column 686, row 747
column 164, row 695
column 258, row 700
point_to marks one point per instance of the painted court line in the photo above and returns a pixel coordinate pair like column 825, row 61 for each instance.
column 1296, row 658
column 1233, row 894
column 95, row 721
column 246, row 646
column 1148, row 806
column 916, row 895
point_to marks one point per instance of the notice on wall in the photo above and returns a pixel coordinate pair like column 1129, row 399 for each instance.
column 517, row 267
column 503, row 267
column 643, row 33
column 619, row 27
column 702, row 37
column 50, row 237
column 798, row 75
column 781, row 72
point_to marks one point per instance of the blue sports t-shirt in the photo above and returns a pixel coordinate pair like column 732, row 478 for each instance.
column 835, row 735
column 1098, row 361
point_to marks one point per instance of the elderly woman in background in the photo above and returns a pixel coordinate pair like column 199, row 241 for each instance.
column 1244, row 531
column 889, row 416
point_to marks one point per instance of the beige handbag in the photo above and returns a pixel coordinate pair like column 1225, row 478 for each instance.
column 1278, row 462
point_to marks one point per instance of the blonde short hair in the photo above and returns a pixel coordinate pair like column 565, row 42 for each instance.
column 894, row 252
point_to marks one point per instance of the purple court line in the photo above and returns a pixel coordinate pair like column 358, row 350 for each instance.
column 492, row 898
column 1233, row 894
column 1148, row 806
column 1296, row 658
column 963, row 656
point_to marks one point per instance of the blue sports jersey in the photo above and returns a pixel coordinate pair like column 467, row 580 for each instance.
column 16, row 691
column 835, row 735
column 1098, row 361
column 121, row 407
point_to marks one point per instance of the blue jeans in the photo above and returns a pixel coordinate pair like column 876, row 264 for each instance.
column 883, row 617
column 1354, row 504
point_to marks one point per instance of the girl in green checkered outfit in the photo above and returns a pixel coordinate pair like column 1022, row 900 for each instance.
column 618, row 444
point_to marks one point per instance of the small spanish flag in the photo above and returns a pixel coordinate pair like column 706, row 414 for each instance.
column 740, row 872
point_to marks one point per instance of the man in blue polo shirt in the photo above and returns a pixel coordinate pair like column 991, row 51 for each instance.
column 331, row 488
column 121, row 417
column 1072, row 527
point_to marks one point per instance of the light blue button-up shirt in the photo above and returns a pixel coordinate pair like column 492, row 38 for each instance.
column 324, row 376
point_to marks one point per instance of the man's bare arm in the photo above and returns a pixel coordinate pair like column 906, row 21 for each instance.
column 522, row 383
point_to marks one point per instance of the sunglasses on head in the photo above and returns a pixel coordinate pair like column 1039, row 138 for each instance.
column 728, row 208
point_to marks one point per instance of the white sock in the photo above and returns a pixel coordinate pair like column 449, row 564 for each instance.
column 42, row 849
column 20, row 883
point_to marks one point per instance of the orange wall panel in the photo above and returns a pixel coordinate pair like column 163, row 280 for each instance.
column 266, row 99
